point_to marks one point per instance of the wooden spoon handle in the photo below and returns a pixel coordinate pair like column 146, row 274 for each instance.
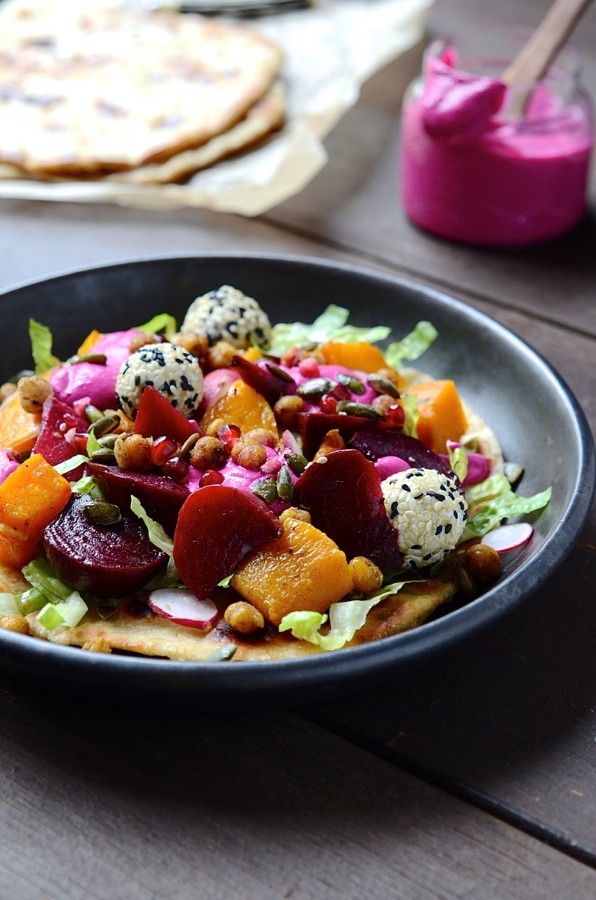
column 538, row 53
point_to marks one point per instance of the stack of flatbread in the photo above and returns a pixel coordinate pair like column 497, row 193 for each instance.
column 117, row 93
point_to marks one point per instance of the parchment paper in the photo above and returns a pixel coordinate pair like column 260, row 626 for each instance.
column 330, row 52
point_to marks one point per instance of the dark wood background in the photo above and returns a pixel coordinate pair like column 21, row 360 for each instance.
column 473, row 776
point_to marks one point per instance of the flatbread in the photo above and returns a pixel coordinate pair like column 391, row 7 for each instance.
column 93, row 91
column 134, row 628
column 266, row 116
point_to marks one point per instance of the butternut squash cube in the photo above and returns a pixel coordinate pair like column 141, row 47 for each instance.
column 354, row 355
column 441, row 414
column 18, row 429
column 303, row 569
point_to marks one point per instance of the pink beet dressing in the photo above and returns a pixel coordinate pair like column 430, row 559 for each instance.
column 472, row 173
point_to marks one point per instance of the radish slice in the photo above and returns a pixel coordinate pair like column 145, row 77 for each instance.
column 183, row 607
column 508, row 537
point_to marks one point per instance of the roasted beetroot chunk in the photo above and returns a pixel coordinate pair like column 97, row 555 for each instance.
column 344, row 498
column 157, row 417
column 104, row 560
column 57, row 420
column 217, row 527
column 160, row 497
column 267, row 383
column 374, row 443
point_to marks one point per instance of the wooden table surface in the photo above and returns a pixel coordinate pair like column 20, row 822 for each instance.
column 473, row 776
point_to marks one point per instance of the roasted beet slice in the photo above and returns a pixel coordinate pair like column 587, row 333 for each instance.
column 315, row 425
column 160, row 497
column 105, row 560
column 59, row 419
column 267, row 383
column 156, row 417
column 375, row 443
column 345, row 501
column 217, row 527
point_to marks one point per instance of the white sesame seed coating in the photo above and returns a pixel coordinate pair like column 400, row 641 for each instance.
column 227, row 314
column 171, row 370
column 428, row 511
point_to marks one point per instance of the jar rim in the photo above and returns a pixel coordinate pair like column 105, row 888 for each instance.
column 566, row 66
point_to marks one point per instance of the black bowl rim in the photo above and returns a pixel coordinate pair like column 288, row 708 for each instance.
column 327, row 671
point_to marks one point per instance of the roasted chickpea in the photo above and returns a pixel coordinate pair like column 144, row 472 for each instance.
column 366, row 575
column 33, row 391
column 244, row 618
column 286, row 410
column 208, row 453
column 133, row 452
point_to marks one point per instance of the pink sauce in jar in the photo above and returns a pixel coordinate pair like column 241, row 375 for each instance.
column 473, row 171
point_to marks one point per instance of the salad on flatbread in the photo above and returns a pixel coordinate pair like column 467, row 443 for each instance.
column 222, row 488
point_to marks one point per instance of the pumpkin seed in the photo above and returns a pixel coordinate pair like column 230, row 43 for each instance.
column 106, row 455
column 350, row 382
column 105, row 425
column 108, row 440
column 222, row 654
column 93, row 413
column 265, row 488
column 383, row 385
column 297, row 463
column 352, row 408
column 100, row 512
column 280, row 373
column 99, row 359
column 315, row 387
column 284, row 485
column 188, row 445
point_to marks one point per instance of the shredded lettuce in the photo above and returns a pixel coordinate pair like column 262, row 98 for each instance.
column 68, row 612
column 412, row 346
column 345, row 618
column 494, row 500
column 157, row 534
column 161, row 322
column 40, row 575
column 41, row 347
column 93, row 444
column 69, row 464
column 46, row 589
column 330, row 325
column 87, row 485
column 161, row 539
column 409, row 404
column 9, row 605
column 458, row 460
column 225, row 582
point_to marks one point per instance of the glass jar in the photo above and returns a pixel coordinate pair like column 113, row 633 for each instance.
column 484, row 164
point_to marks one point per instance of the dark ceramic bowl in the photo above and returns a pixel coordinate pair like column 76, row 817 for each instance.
column 515, row 390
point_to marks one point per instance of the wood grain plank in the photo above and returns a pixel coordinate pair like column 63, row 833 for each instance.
column 124, row 802
column 507, row 719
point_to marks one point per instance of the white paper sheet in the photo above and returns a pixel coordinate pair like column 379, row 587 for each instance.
column 330, row 52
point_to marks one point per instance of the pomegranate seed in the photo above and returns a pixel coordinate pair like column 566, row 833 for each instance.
column 176, row 469
column 163, row 449
column 395, row 415
column 228, row 435
column 328, row 403
column 308, row 367
column 80, row 442
column 211, row 477
column 341, row 393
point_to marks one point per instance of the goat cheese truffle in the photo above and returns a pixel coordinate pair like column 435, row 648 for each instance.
column 171, row 370
column 429, row 512
column 227, row 314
